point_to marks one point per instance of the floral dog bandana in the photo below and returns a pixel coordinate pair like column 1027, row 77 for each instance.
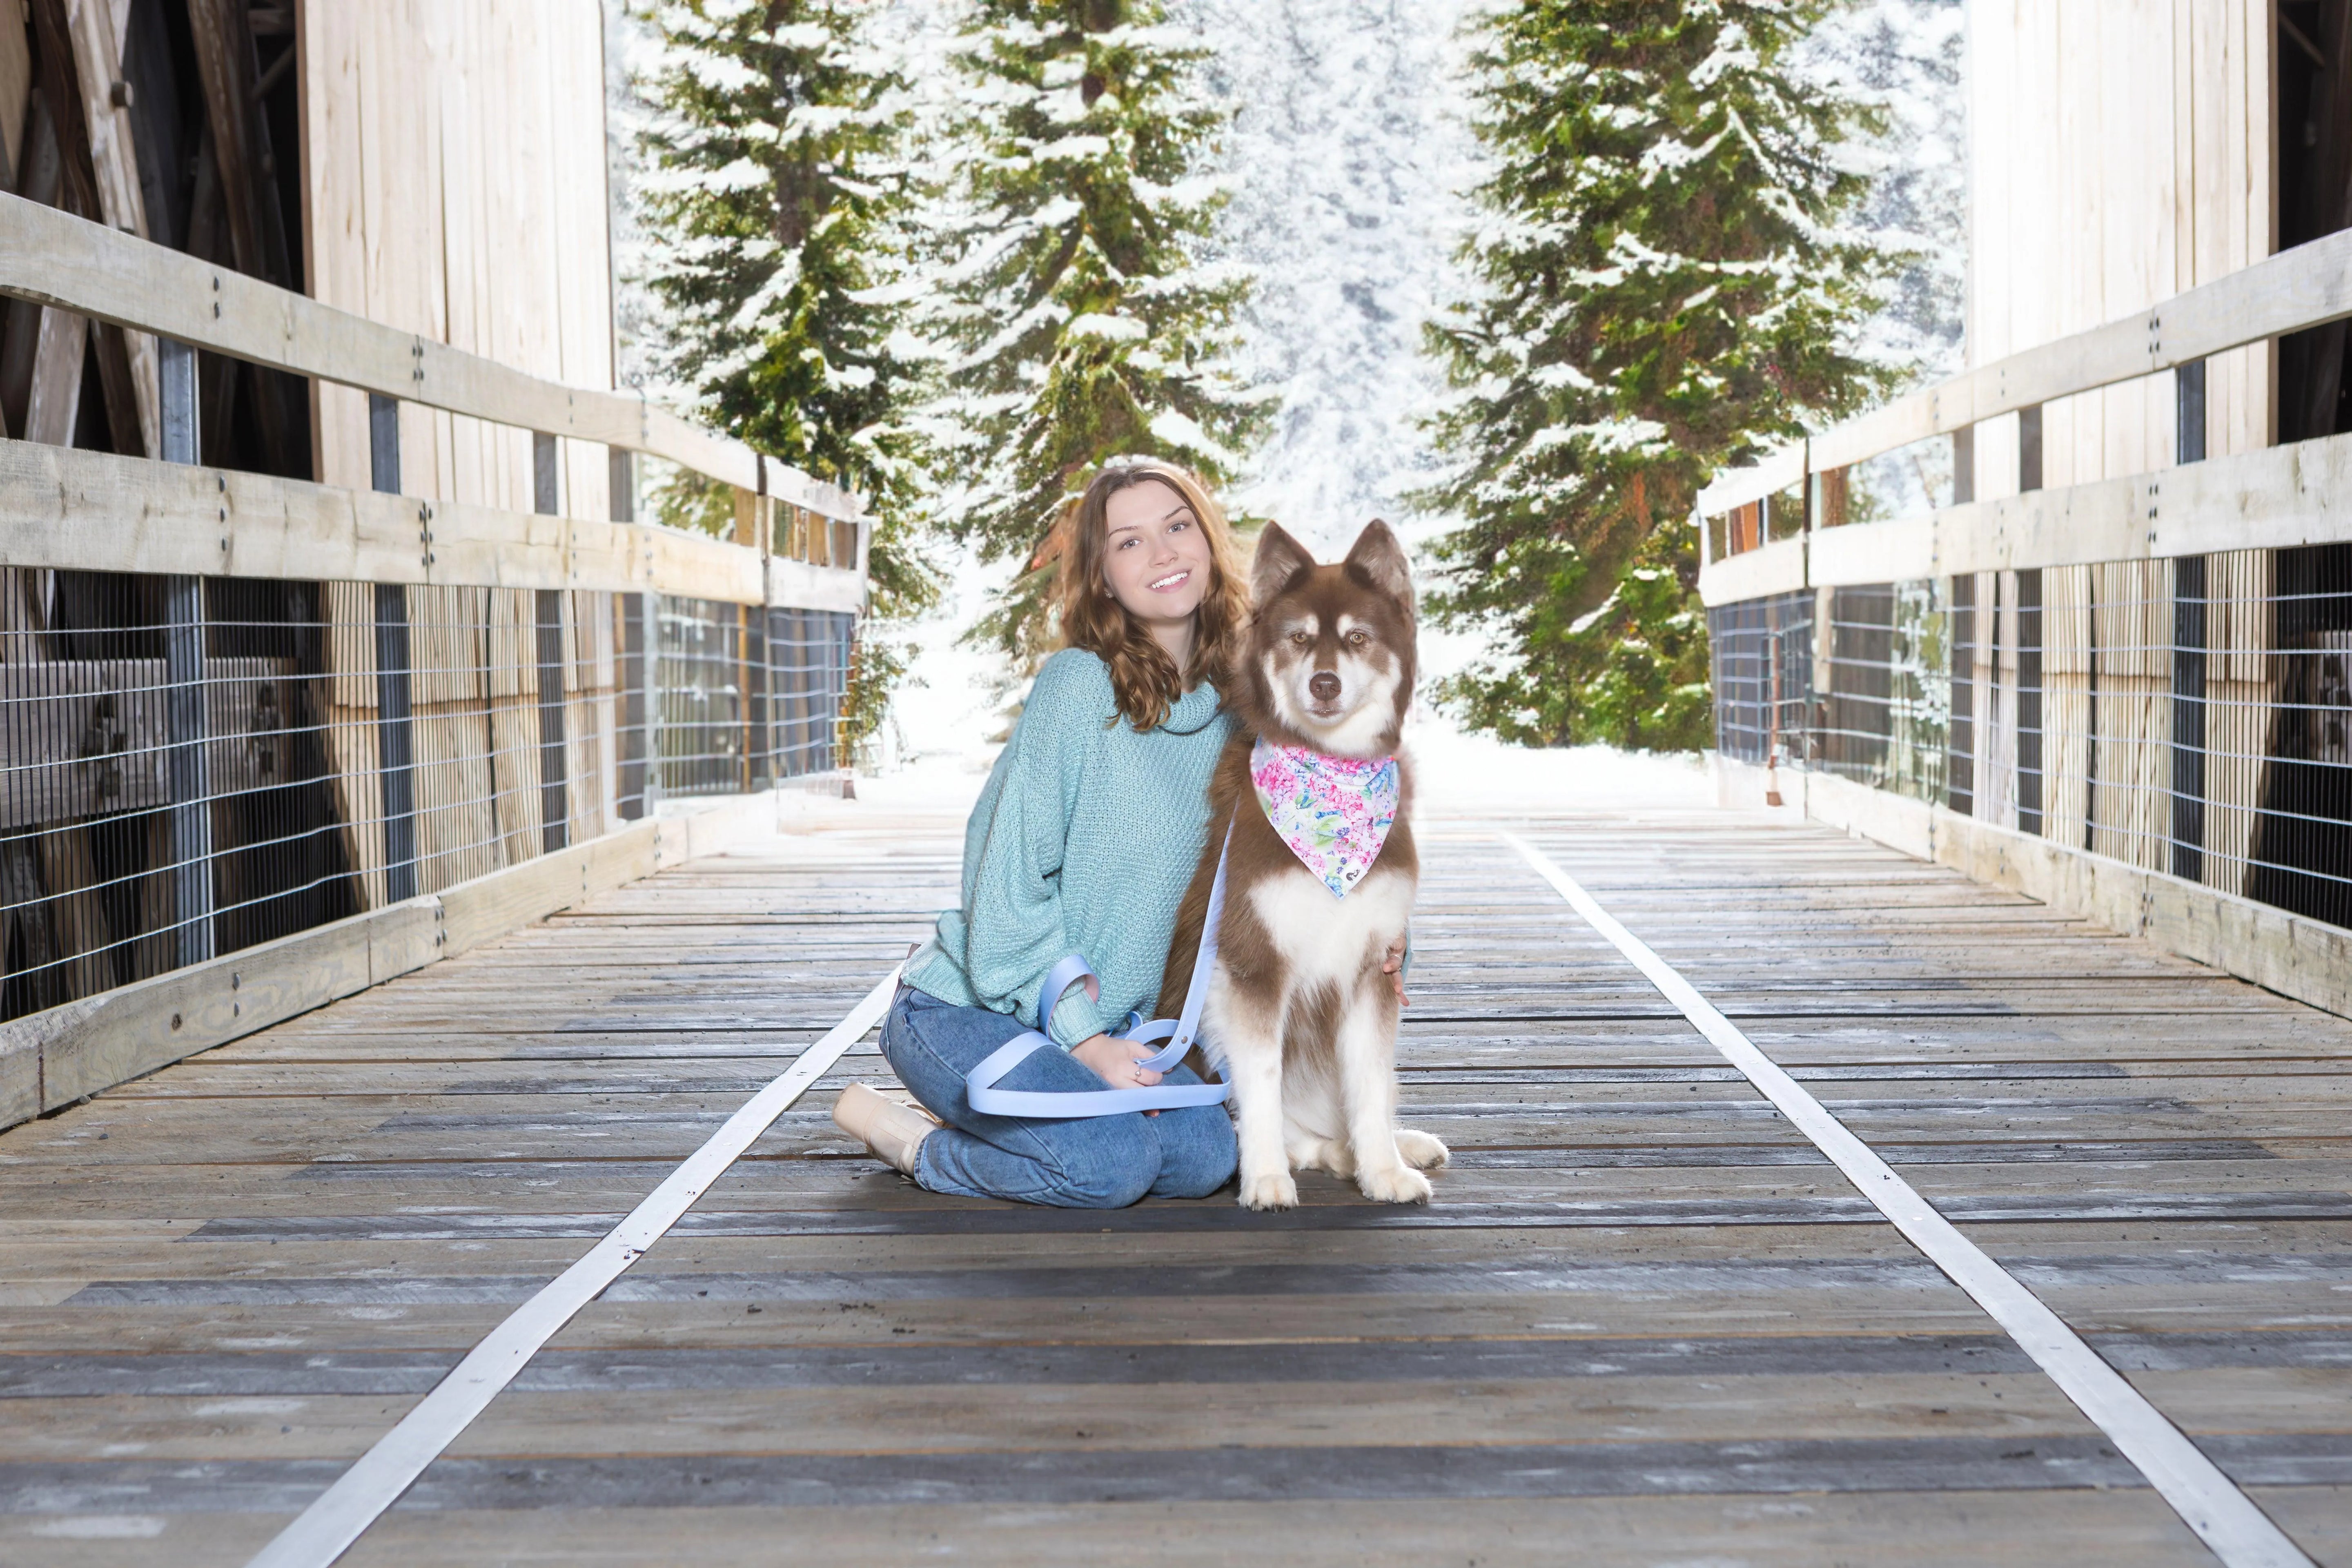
column 1333, row 811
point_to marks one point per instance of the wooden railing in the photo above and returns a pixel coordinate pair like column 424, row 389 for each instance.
column 2306, row 287
column 294, row 528
column 2130, row 696
column 268, row 741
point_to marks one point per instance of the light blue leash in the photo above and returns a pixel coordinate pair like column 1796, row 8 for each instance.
column 980, row 1083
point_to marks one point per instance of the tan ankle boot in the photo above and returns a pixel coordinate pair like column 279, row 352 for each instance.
column 893, row 1128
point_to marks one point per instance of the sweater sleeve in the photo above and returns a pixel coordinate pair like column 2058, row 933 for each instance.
column 1016, row 934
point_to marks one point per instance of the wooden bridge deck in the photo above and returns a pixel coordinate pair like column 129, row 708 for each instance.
column 1644, row 1323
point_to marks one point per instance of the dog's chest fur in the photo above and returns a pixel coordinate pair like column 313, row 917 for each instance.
column 1326, row 940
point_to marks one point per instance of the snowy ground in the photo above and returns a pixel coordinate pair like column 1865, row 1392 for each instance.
column 1460, row 775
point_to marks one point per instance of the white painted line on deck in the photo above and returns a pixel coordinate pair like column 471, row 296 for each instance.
column 328, row 1527
column 2208, row 1501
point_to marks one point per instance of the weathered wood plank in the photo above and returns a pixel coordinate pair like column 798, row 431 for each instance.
column 1633, row 1267
column 52, row 257
column 180, row 519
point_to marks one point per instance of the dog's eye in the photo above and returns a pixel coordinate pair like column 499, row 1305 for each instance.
column 1299, row 639
column 1359, row 639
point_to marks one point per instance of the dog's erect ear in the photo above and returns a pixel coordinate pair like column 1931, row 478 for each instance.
column 1378, row 560
column 1280, row 560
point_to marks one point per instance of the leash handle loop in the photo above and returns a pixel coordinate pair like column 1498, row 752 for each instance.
column 979, row 1084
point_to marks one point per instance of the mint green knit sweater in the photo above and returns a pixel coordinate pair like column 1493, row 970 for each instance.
column 1082, row 842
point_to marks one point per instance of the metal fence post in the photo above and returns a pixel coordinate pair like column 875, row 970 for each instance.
column 2189, row 639
column 396, row 739
column 655, row 782
column 641, row 715
column 2029, row 700
column 554, row 802
column 759, row 734
column 630, row 788
column 183, row 679
column 554, row 807
column 758, row 684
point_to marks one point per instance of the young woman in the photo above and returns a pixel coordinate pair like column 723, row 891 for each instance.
column 1082, row 843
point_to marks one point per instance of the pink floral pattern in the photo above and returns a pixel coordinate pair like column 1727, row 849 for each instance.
column 1334, row 811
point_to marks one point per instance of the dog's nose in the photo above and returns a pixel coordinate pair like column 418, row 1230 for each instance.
column 1325, row 686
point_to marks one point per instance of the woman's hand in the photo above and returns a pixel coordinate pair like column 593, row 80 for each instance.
column 1114, row 1061
column 1393, row 967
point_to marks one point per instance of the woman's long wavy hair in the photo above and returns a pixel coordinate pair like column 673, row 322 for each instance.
column 1144, row 679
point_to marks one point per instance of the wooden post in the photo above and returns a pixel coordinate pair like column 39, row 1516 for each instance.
column 183, row 679
column 41, row 359
column 61, row 89
column 244, row 163
column 395, row 733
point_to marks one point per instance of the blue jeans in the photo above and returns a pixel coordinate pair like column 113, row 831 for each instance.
column 1093, row 1163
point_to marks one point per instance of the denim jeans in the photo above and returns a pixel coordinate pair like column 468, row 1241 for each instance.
column 1093, row 1162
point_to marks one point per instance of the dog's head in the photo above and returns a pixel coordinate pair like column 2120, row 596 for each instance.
column 1331, row 658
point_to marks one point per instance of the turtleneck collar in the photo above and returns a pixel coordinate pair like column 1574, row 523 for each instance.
column 1193, row 711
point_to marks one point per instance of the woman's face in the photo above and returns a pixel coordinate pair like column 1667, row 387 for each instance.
column 1156, row 554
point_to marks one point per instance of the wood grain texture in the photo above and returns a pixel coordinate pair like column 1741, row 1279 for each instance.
column 53, row 258
column 1637, row 1313
column 2279, row 497
column 2121, row 223
column 95, row 511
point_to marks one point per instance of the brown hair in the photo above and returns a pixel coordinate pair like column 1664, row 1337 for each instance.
column 1144, row 679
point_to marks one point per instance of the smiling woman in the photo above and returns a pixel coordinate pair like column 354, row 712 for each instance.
column 1080, row 844
column 1150, row 584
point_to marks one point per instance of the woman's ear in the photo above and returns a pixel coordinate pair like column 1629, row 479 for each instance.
column 1280, row 562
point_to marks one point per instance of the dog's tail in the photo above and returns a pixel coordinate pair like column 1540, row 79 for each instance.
column 1227, row 788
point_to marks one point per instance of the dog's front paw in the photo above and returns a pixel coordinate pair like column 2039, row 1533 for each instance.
column 1273, row 1190
column 1421, row 1151
column 1398, row 1185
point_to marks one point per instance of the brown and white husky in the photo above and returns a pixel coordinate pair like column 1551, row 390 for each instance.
column 1299, row 1018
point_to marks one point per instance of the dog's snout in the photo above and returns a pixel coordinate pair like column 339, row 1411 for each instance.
column 1325, row 686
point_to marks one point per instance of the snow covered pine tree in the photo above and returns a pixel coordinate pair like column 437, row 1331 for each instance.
column 775, row 185
column 1074, row 316
column 1664, row 287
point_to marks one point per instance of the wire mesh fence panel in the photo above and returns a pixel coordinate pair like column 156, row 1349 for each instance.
column 809, row 653
column 188, row 767
column 164, row 785
column 2189, row 716
column 1885, row 687
column 704, row 742
column 2303, row 857
column 712, row 698
column 1762, row 656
